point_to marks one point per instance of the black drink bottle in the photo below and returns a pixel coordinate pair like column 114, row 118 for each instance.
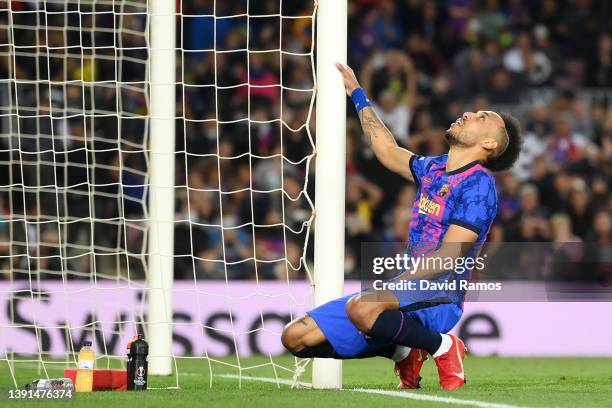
column 137, row 368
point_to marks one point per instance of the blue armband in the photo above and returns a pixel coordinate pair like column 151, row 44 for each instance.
column 360, row 99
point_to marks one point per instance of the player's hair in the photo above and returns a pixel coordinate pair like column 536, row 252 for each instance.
column 507, row 158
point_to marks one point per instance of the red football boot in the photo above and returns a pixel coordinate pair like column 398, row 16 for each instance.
column 409, row 369
column 450, row 365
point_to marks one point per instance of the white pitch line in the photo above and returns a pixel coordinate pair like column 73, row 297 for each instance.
column 264, row 379
column 399, row 394
column 433, row 398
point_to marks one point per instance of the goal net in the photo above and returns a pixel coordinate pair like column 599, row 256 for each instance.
column 78, row 118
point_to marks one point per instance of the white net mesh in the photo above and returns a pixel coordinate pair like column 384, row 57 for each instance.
column 74, row 179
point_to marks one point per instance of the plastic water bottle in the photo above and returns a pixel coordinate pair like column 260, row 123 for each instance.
column 85, row 367
column 137, row 367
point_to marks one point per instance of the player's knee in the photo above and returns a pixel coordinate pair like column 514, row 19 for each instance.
column 362, row 314
column 291, row 339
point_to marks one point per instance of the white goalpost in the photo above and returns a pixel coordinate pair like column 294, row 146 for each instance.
column 155, row 161
column 162, row 192
column 330, row 176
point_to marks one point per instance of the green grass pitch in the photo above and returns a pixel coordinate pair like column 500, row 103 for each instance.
column 515, row 382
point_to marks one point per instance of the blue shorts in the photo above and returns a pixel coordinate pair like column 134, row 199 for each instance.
column 349, row 342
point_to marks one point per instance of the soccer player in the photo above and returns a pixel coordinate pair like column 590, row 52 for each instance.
column 456, row 202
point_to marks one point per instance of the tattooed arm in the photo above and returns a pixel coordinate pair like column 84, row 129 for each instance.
column 383, row 144
column 376, row 133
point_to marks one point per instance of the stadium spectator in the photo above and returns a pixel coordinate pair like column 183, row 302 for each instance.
column 600, row 64
column 489, row 20
column 523, row 59
column 561, row 229
column 395, row 95
column 471, row 74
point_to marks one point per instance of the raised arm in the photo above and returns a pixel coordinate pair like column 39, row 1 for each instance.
column 377, row 135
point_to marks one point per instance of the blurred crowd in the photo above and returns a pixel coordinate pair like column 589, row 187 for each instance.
column 423, row 63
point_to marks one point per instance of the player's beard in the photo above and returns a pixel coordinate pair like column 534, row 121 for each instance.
column 451, row 138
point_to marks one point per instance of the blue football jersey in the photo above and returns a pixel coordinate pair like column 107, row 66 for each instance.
column 466, row 197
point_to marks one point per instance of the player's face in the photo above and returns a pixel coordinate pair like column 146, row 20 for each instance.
column 474, row 127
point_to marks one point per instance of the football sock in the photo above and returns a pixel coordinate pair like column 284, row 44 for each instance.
column 385, row 351
column 400, row 353
column 325, row 350
column 401, row 329
column 446, row 344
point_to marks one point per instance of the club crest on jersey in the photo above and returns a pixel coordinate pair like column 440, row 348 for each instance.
column 444, row 190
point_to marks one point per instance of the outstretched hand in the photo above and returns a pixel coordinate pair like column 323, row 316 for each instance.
column 348, row 76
